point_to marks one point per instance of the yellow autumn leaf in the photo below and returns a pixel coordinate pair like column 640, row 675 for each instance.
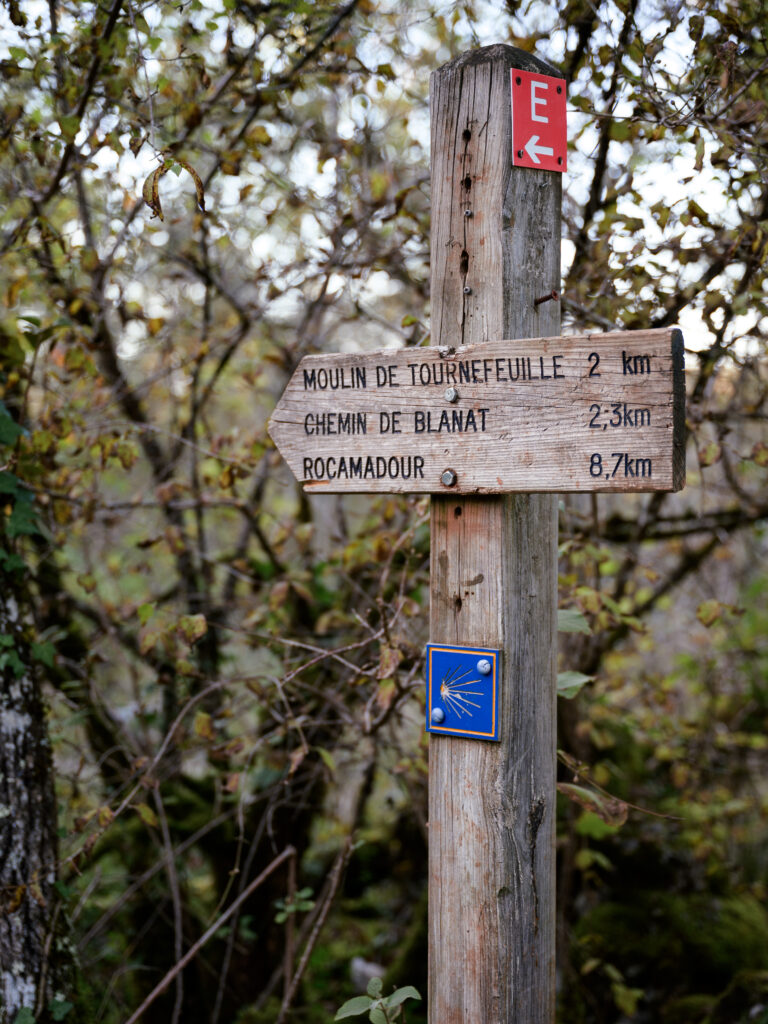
column 151, row 192
column 203, row 726
column 146, row 814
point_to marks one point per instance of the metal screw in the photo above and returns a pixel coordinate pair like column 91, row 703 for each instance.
column 520, row 153
column 560, row 160
column 559, row 89
column 468, row 213
column 451, row 395
column 437, row 716
column 449, row 477
column 484, row 667
column 467, row 290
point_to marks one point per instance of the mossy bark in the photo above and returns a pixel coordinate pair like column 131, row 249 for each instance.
column 29, row 976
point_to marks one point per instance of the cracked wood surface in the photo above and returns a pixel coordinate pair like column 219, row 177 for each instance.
column 494, row 574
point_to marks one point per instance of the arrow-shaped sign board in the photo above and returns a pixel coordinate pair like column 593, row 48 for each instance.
column 594, row 412
column 539, row 136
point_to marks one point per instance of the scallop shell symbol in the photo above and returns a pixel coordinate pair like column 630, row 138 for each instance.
column 454, row 692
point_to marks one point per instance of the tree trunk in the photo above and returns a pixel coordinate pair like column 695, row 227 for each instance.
column 28, row 846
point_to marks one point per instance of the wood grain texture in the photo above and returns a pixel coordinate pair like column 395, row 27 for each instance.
column 593, row 412
column 494, row 573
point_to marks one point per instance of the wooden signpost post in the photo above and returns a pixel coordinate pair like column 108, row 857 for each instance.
column 478, row 421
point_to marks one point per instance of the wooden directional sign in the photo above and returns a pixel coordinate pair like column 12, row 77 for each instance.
column 593, row 412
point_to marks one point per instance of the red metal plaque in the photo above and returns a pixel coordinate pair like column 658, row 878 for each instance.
column 539, row 136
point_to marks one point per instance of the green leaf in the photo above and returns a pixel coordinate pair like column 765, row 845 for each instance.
column 59, row 1008
column 377, row 1015
column 592, row 825
column 710, row 453
column 612, row 810
column 146, row 814
column 375, row 986
column 8, row 482
column 23, row 518
column 353, row 1007
column 17, row 52
column 570, row 620
column 569, row 683
column 327, row 758
column 12, row 661
column 25, row 1016
column 11, row 563
column 192, row 627
column 70, row 125
column 400, row 995
column 145, row 613
column 45, row 652
column 9, row 430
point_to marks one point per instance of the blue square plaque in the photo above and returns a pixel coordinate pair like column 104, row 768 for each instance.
column 463, row 691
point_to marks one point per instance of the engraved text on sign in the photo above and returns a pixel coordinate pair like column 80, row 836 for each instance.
column 596, row 412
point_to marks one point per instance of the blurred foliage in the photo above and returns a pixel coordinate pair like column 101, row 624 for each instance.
column 197, row 193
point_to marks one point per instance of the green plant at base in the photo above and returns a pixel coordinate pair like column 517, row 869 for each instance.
column 301, row 902
column 380, row 1009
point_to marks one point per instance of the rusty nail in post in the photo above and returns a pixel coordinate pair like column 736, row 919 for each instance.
column 545, row 298
column 449, row 477
column 451, row 394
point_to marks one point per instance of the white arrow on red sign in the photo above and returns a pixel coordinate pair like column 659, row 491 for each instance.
column 534, row 151
column 539, row 137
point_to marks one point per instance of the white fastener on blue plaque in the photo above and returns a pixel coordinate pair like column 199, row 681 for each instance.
column 463, row 691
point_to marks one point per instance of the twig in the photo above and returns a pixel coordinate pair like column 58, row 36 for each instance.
column 143, row 62
column 290, row 927
column 173, row 882
column 289, row 851
column 148, row 771
column 333, row 884
column 69, row 149
column 118, row 905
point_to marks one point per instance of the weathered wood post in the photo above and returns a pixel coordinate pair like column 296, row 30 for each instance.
column 495, row 250
column 491, row 428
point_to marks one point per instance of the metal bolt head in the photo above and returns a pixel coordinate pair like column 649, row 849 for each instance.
column 468, row 213
column 451, row 394
column 484, row 667
column 467, row 290
column 437, row 716
column 449, row 477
